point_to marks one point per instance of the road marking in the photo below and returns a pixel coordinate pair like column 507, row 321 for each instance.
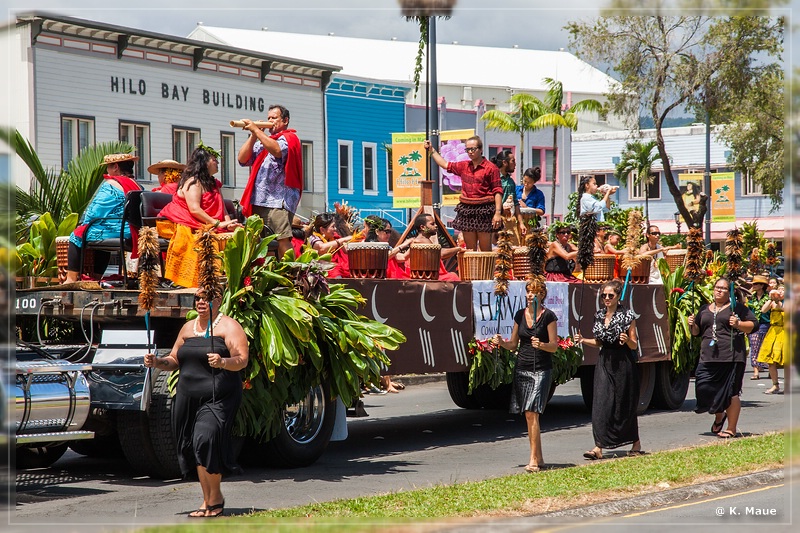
column 702, row 501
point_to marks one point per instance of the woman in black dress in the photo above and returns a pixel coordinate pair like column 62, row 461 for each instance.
column 535, row 334
column 208, row 395
column 616, row 384
column 719, row 374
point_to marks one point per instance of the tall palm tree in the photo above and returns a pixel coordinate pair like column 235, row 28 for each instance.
column 525, row 110
column 556, row 115
column 638, row 158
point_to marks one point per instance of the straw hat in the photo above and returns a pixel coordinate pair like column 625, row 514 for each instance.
column 759, row 279
column 111, row 159
column 155, row 168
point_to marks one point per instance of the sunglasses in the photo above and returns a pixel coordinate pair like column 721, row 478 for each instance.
column 198, row 298
column 655, row 233
column 607, row 296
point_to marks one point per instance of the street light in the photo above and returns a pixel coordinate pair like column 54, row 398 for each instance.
column 678, row 221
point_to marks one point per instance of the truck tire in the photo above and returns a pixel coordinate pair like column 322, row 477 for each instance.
column 160, row 426
column 133, row 428
column 670, row 388
column 39, row 456
column 457, row 386
column 304, row 435
column 496, row 399
column 586, row 375
column 647, row 383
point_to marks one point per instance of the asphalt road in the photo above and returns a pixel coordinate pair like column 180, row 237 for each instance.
column 414, row 439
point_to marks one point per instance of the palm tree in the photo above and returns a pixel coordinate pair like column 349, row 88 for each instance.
column 638, row 157
column 555, row 115
column 525, row 110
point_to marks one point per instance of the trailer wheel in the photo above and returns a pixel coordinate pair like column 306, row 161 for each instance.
column 586, row 375
column 489, row 398
column 647, row 383
column 457, row 386
column 304, row 435
column 40, row 456
column 133, row 428
column 670, row 388
column 160, row 425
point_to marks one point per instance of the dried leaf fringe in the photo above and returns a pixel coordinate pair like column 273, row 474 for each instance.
column 503, row 263
column 149, row 261
column 208, row 276
column 536, row 241
column 587, row 231
column 633, row 237
column 695, row 246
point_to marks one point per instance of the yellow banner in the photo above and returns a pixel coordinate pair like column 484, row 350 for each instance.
column 408, row 164
column 723, row 197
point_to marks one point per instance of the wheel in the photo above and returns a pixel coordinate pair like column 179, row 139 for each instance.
column 39, row 456
column 647, row 383
column 670, row 388
column 457, row 386
column 586, row 375
column 105, row 443
column 162, row 437
column 489, row 398
column 304, row 435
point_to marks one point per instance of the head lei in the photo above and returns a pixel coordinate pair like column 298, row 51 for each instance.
column 375, row 224
column 209, row 150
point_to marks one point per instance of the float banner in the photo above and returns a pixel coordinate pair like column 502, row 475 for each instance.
column 691, row 186
column 497, row 316
column 408, row 165
column 723, row 201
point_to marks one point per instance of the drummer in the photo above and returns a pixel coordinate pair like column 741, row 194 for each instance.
column 600, row 238
column 426, row 233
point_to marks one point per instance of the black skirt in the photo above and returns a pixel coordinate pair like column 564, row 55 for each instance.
column 530, row 391
column 616, row 396
column 476, row 218
column 715, row 384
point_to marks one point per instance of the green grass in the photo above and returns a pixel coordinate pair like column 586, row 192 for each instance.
column 516, row 494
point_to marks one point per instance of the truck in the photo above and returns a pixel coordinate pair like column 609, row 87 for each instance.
column 92, row 397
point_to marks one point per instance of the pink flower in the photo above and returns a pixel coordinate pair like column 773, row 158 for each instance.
column 678, row 290
column 247, row 281
column 247, row 385
column 709, row 272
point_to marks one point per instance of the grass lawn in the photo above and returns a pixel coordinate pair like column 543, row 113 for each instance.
column 526, row 494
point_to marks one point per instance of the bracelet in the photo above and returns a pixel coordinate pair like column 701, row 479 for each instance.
column 223, row 363
column 216, row 225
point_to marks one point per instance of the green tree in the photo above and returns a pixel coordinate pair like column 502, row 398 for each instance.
column 525, row 109
column 638, row 158
column 668, row 63
column 555, row 115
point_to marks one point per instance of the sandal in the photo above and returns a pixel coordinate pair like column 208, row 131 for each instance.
column 399, row 386
column 753, row 378
column 533, row 468
column 726, row 434
column 219, row 506
column 774, row 390
column 636, row 453
column 716, row 427
column 198, row 513
column 593, row 455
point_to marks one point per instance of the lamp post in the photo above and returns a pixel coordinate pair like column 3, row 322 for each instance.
column 678, row 221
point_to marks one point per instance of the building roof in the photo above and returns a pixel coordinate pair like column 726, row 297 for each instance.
column 394, row 60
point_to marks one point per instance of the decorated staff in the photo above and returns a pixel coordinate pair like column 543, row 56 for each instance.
column 502, row 270
column 208, row 277
column 149, row 261
column 587, row 232
column 536, row 241
column 693, row 271
column 633, row 237
column 733, row 255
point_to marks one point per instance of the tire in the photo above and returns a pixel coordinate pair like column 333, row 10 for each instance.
column 647, row 383
column 304, row 435
column 133, row 428
column 586, row 375
column 40, row 456
column 457, row 386
column 496, row 399
column 670, row 388
column 162, row 437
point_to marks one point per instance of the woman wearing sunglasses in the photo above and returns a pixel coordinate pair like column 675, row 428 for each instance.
column 560, row 258
column 719, row 374
column 655, row 250
column 207, row 397
column 616, row 385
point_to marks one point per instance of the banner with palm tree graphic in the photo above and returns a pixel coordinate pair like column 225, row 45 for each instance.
column 723, row 197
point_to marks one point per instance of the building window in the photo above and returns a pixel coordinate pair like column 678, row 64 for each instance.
column 184, row 141
column 600, row 179
column 494, row 150
column 544, row 159
column 345, row 165
column 76, row 134
column 637, row 192
column 138, row 136
column 308, row 166
column 370, row 168
column 389, row 172
column 227, row 167
column 749, row 186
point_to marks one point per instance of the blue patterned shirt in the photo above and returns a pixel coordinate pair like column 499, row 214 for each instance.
column 271, row 189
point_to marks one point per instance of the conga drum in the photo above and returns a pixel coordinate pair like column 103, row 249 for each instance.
column 601, row 270
column 675, row 258
column 521, row 262
column 528, row 215
column 641, row 274
column 424, row 260
column 222, row 239
column 62, row 251
column 369, row 259
column 474, row 266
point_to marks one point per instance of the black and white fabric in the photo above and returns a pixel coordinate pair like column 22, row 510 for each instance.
column 620, row 322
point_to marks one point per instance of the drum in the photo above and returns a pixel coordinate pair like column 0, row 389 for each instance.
column 424, row 260
column 222, row 240
column 601, row 270
column 521, row 262
column 675, row 258
column 528, row 215
column 473, row 266
column 641, row 274
column 369, row 259
column 62, row 251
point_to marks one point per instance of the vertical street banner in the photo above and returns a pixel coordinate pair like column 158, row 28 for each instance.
column 691, row 186
column 723, row 201
column 408, row 165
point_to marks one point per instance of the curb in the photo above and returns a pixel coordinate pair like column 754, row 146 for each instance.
column 419, row 379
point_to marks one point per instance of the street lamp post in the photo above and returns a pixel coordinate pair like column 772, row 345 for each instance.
column 678, row 221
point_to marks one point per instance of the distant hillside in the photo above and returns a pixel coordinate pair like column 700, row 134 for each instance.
column 646, row 123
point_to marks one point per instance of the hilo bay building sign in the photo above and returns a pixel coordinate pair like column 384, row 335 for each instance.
column 409, row 161
column 183, row 93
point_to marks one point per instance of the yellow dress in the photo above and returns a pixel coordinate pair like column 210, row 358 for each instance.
column 772, row 351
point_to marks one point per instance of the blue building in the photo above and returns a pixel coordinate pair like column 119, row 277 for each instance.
column 360, row 117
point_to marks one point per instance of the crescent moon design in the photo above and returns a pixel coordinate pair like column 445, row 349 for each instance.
column 375, row 314
column 655, row 307
column 630, row 303
column 457, row 316
column 575, row 309
column 425, row 315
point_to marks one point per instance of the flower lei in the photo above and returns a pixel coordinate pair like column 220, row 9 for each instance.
column 172, row 175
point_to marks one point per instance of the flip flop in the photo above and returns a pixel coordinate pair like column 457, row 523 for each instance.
column 726, row 435
column 592, row 456
column 753, row 378
column 716, row 427
column 399, row 386
column 636, row 453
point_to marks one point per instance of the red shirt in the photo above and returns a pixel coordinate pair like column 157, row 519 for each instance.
column 478, row 184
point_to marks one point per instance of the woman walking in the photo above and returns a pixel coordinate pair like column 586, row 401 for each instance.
column 757, row 300
column 772, row 351
column 616, row 385
column 719, row 374
column 536, row 339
